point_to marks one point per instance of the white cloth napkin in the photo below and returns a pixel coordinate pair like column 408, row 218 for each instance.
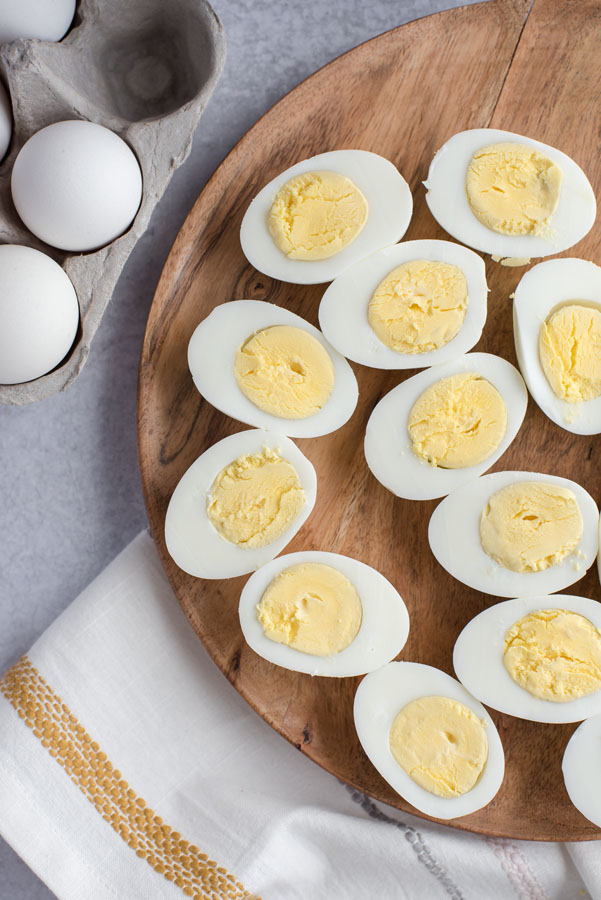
column 130, row 768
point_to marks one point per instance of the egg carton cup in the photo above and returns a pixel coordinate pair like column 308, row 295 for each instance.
column 144, row 69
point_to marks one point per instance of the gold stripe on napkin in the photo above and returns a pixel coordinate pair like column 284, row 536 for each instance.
column 82, row 759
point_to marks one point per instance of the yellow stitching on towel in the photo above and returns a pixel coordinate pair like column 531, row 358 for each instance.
column 82, row 759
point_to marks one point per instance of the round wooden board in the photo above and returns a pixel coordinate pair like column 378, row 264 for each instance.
column 401, row 95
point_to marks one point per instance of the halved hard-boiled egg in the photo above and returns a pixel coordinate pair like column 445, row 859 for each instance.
column 536, row 658
column 516, row 534
column 581, row 766
column 239, row 504
column 430, row 739
column 323, row 214
column 416, row 304
column 264, row 365
column 323, row 614
column 557, row 331
column 443, row 427
column 509, row 195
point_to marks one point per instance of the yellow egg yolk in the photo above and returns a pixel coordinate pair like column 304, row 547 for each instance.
column 311, row 607
column 530, row 526
column 511, row 262
column 513, row 188
column 285, row 371
column 316, row 214
column 254, row 500
column 457, row 422
column 569, row 348
column 420, row 306
column 554, row 654
column 441, row 744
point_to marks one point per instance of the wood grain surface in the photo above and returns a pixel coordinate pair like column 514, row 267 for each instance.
column 533, row 70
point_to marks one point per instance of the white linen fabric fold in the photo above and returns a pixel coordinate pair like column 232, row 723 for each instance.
column 130, row 768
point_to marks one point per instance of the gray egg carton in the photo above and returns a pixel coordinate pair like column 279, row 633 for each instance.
column 143, row 68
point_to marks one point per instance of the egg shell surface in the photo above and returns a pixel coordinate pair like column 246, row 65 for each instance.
column 6, row 121
column 381, row 695
column 211, row 356
column 47, row 21
column 581, row 767
column 39, row 314
column 454, row 535
column 390, row 206
column 387, row 444
column 76, row 185
column 384, row 625
column 193, row 542
column 543, row 289
column 478, row 660
column 447, row 198
column 344, row 306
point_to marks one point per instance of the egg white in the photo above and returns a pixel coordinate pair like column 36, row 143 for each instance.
column 542, row 289
column 344, row 306
column 478, row 660
column 382, row 634
column 212, row 353
column 454, row 535
column 193, row 542
column 581, row 767
column 599, row 554
column 381, row 695
column 387, row 444
column 389, row 210
column 447, row 198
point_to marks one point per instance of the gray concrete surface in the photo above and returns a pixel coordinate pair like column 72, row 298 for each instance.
column 70, row 496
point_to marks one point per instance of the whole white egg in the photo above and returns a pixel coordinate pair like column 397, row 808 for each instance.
column 344, row 306
column 387, row 445
column 212, row 351
column 543, row 289
column 6, row 121
column 381, row 695
column 192, row 540
column 581, row 766
column 76, row 185
column 47, row 21
column 454, row 535
column 381, row 636
column 478, row 660
column 39, row 314
column 448, row 200
column 389, row 209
